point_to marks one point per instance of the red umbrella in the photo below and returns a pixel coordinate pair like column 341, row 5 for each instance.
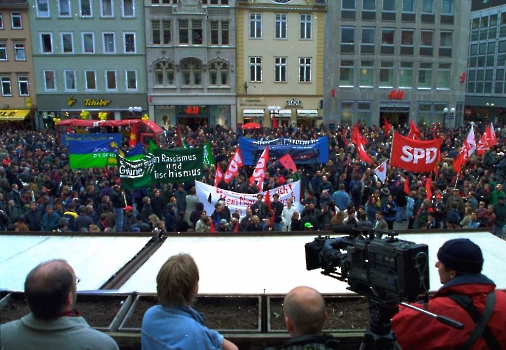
column 251, row 126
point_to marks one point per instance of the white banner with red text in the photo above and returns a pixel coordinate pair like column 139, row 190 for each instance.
column 239, row 202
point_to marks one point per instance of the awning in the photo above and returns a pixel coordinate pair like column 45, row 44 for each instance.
column 253, row 113
column 307, row 113
column 13, row 114
column 284, row 113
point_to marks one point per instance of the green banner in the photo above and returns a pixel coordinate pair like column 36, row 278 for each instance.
column 178, row 165
column 136, row 173
column 95, row 160
column 208, row 154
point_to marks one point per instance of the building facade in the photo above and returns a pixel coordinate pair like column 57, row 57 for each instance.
column 486, row 79
column 191, row 62
column 395, row 60
column 280, row 61
column 18, row 98
column 89, row 55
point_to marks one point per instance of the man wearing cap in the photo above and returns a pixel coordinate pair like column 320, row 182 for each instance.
column 277, row 210
column 129, row 217
column 459, row 265
column 500, row 216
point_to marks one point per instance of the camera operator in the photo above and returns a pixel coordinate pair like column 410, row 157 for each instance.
column 459, row 265
column 304, row 310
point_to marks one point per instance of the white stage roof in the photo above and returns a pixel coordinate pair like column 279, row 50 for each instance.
column 274, row 265
column 94, row 259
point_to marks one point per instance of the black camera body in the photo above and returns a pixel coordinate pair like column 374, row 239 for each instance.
column 384, row 269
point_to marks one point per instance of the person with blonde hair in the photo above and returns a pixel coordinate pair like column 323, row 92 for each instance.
column 174, row 324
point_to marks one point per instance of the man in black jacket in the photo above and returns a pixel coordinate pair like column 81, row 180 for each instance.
column 33, row 217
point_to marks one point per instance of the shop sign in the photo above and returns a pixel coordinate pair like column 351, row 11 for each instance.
column 90, row 102
column 293, row 103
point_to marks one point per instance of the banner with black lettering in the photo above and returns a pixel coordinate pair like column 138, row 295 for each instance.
column 239, row 202
column 414, row 155
column 178, row 165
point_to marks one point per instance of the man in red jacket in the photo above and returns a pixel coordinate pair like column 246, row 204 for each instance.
column 459, row 266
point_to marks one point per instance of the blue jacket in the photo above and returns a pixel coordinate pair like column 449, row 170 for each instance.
column 389, row 211
column 180, row 327
column 49, row 223
column 341, row 199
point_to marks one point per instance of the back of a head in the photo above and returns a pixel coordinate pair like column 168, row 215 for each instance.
column 306, row 309
column 47, row 287
column 177, row 280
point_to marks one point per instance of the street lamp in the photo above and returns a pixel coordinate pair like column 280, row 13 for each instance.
column 133, row 110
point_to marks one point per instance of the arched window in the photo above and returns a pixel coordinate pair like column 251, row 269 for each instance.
column 191, row 71
column 219, row 74
column 163, row 73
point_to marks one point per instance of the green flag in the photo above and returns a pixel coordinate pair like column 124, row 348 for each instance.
column 91, row 154
column 178, row 165
column 136, row 173
column 152, row 146
column 208, row 154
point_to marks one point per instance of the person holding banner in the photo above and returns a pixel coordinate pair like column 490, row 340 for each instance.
column 277, row 211
column 260, row 208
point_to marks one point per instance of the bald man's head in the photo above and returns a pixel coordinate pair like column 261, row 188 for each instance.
column 304, row 309
column 50, row 289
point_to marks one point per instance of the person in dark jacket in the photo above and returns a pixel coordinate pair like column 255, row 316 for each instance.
column 33, row 217
column 170, row 218
column 390, row 212
column 158, row 204
column 147, row 209
column 83, row 220
column 196, row 214
column 459, row 265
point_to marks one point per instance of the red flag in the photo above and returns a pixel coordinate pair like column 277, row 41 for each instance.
column 414, row 133
column 267, row 199
column 428, row 187
column 407, row 188
column 233, row 168
column 363, row 154
column 287, row 162
column 460, row 160
column 211, row 226
column 218, row 176
column 132, row 140
column 179, row 141
column 381, row 172
column 438, row 162
column 275, row 123
column 492, row 138
column 387, row 127
column 356, row 136
column 414, row 155
column 483, row 143
column 259, row 172
column 236, row 227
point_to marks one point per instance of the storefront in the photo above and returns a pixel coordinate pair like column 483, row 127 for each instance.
column 116, row 107
column 19, row 116
column 253, row 116
column 193, row 116
column 308, row 118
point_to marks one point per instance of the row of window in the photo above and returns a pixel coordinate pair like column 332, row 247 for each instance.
column 164, row 74
column 23, row 86
column 280, row 69
column 408, row 6
column 67, row 46
column 368, row 77
column 487, row 87
column 488, row 33
column 487, row 48
column 369, row 37
column 84, row 9
column 16, row 20
column 91, row 80
column 281, row 26
column 19, row 51
column 488, row 21
column 190, row 32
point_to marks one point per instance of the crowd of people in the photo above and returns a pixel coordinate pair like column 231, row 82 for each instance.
column 39, row 192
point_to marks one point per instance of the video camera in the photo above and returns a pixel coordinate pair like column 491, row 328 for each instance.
column 387, row 270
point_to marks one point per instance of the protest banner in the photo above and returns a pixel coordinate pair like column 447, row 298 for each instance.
column 414, row 155
column 178, row 165
column 136, row 173
column 241, row 201
column 91, row 154
column 301, row 151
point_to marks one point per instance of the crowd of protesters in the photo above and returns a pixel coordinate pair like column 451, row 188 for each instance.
column 39, row 192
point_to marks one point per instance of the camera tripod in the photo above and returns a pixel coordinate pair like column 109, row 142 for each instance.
column 379, row 334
